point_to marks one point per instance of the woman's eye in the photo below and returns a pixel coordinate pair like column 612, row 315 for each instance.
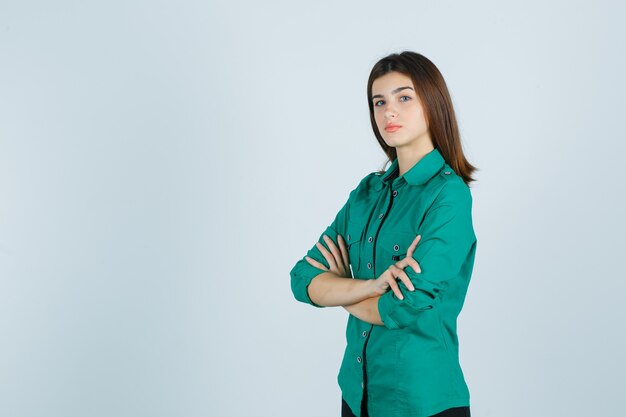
column 404, row 97
column 376, row 102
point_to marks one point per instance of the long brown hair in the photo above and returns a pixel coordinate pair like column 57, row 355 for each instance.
column 438, row 110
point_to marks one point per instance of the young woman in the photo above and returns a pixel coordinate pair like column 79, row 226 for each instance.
column 399, row 254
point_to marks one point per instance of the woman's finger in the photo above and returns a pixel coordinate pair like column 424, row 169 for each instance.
column 315, row 263
column 329, row 256
column 344, row 254
column 402, row 263
column 399, row 273
column 409, row 261
column 409, row 252
column 394, row 286
column 335, row 251
column 414, row 264
column 407, row 281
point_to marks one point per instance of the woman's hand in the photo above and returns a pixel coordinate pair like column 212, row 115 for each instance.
column 337, row 258
column 388, row 278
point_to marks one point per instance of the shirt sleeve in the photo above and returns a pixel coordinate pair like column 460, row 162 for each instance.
column 303, row 272
column 445, row 252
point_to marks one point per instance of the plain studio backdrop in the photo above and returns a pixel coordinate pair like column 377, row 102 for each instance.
column 163, row 165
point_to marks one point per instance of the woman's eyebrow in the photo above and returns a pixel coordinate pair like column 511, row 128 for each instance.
column 393, row 92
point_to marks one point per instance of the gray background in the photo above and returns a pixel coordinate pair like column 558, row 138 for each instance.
column 163, row 165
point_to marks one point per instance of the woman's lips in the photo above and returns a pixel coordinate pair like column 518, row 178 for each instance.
column 392, row 128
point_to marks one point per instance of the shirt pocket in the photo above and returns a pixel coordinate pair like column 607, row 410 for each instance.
column 354, row 240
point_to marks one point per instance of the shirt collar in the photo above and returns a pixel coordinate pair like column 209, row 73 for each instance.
column 420, row 173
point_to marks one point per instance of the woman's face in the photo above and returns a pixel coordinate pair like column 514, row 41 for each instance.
column 396, row 103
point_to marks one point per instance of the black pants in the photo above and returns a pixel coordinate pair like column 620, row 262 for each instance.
column 450, row 412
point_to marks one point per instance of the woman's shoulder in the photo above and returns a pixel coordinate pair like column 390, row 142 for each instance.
column 450, row 187
column 371, row 182
column 367, row 187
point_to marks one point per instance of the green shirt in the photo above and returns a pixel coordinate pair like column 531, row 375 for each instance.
column 411, row 364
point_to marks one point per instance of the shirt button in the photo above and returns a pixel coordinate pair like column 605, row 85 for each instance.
column 348, row 236
column 395, row 193
column 380, row 216
column 369, row 265
column 358, row 359
column 370, row 239
column 362, row 384
column 396, row 247
column 364, row 333
column 447, row 172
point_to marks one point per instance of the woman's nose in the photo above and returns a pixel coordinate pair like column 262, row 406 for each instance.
column 390, row 112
